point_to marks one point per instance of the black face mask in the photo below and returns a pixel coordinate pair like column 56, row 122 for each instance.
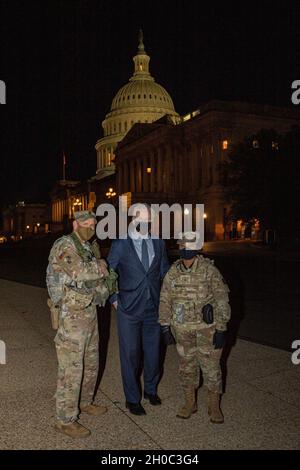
column 188, row 254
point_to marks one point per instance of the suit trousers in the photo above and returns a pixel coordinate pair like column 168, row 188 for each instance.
column 139, row 334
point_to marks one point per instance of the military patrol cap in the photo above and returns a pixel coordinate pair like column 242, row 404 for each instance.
column 190, row 240
column 82, row 216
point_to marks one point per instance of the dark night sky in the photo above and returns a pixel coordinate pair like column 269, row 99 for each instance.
column 63, row 61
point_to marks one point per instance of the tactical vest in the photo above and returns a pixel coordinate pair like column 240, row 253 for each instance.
column 190, row 291
column 59, row 282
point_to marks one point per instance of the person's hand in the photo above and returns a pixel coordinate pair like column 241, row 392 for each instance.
column 219, row 339
column 103, row 267
column 168, row 338
column 115, row 304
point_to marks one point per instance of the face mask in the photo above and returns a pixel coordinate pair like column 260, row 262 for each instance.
column 188, row 254
column 85, row 233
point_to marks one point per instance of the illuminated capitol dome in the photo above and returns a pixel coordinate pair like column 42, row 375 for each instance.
column 140, row 100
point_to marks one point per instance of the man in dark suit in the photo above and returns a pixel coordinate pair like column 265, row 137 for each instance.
column 141, row 263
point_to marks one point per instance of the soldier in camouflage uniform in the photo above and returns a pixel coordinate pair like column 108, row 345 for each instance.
column 76, row 284
column 194, row 307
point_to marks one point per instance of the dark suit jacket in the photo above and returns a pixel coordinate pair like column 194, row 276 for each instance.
column 133, row 279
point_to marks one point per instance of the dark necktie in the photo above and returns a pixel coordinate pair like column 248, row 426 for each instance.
column 145, row 255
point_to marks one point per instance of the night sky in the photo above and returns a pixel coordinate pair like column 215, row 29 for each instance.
column 63, row 61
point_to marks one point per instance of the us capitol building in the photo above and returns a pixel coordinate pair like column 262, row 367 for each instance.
column 152, row 154
column 141, row 100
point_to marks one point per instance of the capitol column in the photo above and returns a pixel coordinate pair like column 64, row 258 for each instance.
column 146, row 175
column 181, row 173
column 119, row 179
column 59, row 210
column 125, row 177
column 132, row 176
column 159, row 169
column 168, row 171
column 138, row 176
column 153, row 172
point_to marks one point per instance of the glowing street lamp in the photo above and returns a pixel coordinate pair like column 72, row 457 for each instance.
column 110, row 193
column 77, row 202
column 76, row 205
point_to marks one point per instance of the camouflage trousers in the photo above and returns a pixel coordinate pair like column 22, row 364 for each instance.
column 196, row 351
column 77, row 348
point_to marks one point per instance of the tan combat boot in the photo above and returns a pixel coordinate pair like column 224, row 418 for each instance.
column 74, row 430
column 214, row 410
column 94, row 410
column 190, row 405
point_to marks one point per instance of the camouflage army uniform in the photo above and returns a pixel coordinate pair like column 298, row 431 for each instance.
column 76, row 282
column 184, row 293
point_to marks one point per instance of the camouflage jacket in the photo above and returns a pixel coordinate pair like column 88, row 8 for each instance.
column 74, row 277
column 185, row 292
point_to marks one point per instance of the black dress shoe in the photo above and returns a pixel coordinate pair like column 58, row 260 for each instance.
column 135, row 408
column 154, row 399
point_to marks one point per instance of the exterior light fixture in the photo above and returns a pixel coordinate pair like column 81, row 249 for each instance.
column 77, row 202
column 110, row 193
column 225, row 144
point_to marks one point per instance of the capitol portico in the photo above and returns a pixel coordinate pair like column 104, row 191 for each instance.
column 141, row 100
